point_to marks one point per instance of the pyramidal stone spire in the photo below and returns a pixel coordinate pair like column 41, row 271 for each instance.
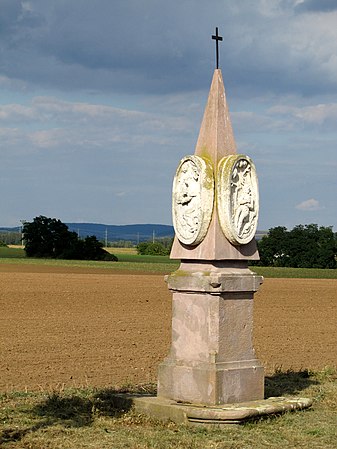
column 215, row 141
column 216, row 138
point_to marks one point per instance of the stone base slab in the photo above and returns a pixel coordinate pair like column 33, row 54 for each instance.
column 191, row 414
column 211, row 383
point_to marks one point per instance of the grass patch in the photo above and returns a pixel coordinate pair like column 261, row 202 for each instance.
column 137, row 258
column 119, row 251
column 150, row 264
column 89, row 418
column 12, row 253
column 300, row 273
column 128, row 260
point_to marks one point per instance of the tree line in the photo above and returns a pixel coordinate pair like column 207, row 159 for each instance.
column 10, row 238
column 305, row 246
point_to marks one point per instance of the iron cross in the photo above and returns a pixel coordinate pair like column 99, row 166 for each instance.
column 217, row 38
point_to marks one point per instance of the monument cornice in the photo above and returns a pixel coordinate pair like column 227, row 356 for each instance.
column 213, row 283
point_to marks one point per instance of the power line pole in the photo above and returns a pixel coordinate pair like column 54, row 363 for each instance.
column 106, row 237
column 22, row 224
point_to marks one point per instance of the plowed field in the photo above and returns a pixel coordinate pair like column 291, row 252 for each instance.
column 78, row 327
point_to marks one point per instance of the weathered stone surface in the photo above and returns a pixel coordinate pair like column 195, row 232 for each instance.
column 193, row 414
column 216, row 137
column 211, row 384
column 216, row 277
column 212, row 360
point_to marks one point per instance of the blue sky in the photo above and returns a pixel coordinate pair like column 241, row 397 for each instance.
column 100, row 100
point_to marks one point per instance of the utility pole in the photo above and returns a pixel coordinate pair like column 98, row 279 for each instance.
column 22, row 224
column 106, row 237
column 153, row 236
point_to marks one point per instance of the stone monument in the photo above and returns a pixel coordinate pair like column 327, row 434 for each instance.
column 215, row 210
column 215, row 207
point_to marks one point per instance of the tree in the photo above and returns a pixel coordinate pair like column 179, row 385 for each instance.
column 305, row 246
column 50, row 238
column 92, row 249
column 167, row 242
column 327, row 248
column 47, row 237
column 274, row 248
column 152, row 249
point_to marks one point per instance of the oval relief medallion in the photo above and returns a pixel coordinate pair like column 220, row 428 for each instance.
column 237, row 198
column 192, row 199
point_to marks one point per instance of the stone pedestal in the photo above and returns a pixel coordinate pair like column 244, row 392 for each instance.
column 212, row 360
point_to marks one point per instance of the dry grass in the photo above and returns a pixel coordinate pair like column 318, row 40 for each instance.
column 83, row 419
column 122, row 251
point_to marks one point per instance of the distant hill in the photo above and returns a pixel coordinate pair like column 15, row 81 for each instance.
column 16, row 229
column 134, row 233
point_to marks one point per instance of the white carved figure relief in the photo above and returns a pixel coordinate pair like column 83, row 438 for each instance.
column 238, row 198
column 192, row 199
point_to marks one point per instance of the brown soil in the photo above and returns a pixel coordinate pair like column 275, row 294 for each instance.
column 78, row 327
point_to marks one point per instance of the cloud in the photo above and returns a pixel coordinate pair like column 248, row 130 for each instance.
column 105, row 97
column 46, row 138
column 55, row 124
column 251, row 121
column 316, row 6
column 322, row 114
column 12, row 84
column 127, row 44
column 309, row 205
column 16, row 113
column 146, row 46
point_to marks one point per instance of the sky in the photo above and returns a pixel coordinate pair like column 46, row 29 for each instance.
column 100, row 100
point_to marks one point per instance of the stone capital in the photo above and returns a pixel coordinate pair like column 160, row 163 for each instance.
column 213, row 279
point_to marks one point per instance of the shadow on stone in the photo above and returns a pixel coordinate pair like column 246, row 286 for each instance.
column 288, row 383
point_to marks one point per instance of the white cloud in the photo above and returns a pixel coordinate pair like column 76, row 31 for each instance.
column 53, row 110
column 46, row 138
column 16, row 112
column 309, row 205
column 49, row 122
column 316, row 115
